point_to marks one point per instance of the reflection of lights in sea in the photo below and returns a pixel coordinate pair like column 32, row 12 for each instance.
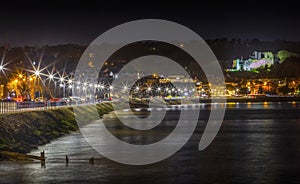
column 249, row 104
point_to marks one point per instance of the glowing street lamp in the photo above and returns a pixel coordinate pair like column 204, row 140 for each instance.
column 64, row 89
column 37, row 73
column 110, row 91
column 51, row 77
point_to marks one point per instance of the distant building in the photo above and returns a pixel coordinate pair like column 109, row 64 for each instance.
column 256, row 60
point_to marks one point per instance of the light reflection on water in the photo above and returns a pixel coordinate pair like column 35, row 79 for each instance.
column 264, row 150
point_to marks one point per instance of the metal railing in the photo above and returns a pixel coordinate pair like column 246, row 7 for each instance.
column 12, row 106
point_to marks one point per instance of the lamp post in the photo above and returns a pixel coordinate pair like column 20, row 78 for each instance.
column 62, row 84
column 37, row 80
column 70, row 82
column 159, row 89
column 110, row 91
column 51, row 78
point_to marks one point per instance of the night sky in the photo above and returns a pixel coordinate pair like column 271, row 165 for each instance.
column 80, row 22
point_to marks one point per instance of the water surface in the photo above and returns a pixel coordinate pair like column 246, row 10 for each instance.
column 254, row 145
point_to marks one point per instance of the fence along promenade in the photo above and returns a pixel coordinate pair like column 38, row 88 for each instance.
column 13, row 106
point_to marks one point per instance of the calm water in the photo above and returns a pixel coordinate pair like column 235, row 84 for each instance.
column 257, row 143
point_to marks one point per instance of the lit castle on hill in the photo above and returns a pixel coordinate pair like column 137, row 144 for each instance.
column 256, row 60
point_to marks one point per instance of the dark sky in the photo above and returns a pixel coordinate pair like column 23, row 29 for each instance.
column 60, row 22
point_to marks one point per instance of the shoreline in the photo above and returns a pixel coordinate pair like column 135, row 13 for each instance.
column 23, row 132
column 259, row 99
column 140, row 103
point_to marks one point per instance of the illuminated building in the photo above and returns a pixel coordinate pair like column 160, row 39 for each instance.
column 255, row 61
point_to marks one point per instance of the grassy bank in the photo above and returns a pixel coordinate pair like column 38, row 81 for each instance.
column 24, row 131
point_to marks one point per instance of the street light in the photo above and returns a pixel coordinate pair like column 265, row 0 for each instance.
column 64, row 89
column 110, row 91
column 37, row 73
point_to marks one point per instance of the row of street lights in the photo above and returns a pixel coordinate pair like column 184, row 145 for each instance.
column 86, row 88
